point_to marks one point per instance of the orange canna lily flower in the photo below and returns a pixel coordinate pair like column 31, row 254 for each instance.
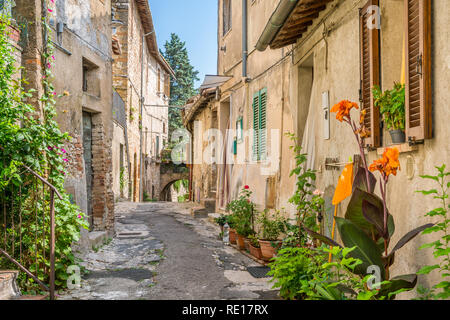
column 343, row 109
column 388, row 164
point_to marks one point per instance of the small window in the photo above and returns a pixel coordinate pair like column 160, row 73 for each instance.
column 91, row 80
column 226, row 16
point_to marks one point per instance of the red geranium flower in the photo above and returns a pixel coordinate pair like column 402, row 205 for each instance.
column 246, row 187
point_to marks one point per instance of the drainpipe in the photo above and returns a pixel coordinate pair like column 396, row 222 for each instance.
column 244, row 38
column 276, row 21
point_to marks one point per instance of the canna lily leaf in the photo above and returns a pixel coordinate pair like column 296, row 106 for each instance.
column 404, row 282
column 355, row 213
column 375, row 216
column 360, row 181
column 322, row 238
column 366, row 249
column 409, row 236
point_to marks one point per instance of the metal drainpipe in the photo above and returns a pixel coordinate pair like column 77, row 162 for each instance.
column 244, row 37
column 276, row 21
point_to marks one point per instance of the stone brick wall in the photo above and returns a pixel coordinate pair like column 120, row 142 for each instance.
column 127, row 82
column 86, row 38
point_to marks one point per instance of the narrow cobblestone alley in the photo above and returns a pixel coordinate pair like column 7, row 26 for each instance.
column 161, row 252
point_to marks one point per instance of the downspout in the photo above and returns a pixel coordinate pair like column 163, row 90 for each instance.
column 276, row 21
column 244, row 37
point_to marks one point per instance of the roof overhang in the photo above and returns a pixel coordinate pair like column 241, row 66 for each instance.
column 213, row 81
column 197, row 104
column 289, row 22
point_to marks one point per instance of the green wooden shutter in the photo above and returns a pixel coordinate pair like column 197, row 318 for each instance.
column 263, row 124
column 255, row 126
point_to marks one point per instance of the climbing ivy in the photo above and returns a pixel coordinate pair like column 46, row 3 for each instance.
column 30, row 135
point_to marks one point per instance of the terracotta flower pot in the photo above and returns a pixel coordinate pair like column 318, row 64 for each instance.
column 247, row 244
column 256, row 252
column 240, row 242
column 267, row 250
column 232, row 236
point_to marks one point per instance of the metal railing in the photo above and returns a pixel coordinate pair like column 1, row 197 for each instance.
column 27, row 227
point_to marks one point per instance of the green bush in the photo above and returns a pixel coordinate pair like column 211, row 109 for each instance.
column 292, row 269
column 38, row 143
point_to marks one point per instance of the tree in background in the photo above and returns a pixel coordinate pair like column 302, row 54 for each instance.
column 181, row 88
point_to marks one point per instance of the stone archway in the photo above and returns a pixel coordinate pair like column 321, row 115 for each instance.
column 169, row 175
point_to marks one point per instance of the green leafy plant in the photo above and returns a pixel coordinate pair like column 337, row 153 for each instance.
column 337, row 280
column 441, row 248
column 308, row 201
column 242, row 213
column 293, row 269
column 392, row 106
column 254, row 241
column 271, row 226
column 37, row 142
column 122, row 179
column 222, row 220
column 368, row 225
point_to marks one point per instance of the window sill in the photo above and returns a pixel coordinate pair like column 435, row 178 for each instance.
column 403, row 148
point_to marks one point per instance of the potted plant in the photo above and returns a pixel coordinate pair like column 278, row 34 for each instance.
column 392, row 108
column 254, row 247
column 271, row 229
column 242, row 216
column 222, row 220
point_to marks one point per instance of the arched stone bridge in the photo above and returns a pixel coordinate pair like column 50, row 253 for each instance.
column 171, row 173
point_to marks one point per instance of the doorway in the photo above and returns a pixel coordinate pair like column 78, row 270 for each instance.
column 87, row 152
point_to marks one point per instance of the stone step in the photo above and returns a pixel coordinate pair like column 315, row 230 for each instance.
column 199, row 212
column 8, row 286
column 209, row 205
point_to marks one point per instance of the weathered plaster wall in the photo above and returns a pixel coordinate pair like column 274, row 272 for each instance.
column 268, row 70
column 86, row 37
column 342, row 81
column 127, row 81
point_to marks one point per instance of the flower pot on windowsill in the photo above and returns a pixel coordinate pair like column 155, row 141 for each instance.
column 232, row 235
column 398, row 136
column 268, row 250
column 240, row 242
column 254, row 251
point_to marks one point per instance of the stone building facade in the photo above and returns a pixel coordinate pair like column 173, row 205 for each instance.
column 320, row 53
column 134, row 21
column 81, row 34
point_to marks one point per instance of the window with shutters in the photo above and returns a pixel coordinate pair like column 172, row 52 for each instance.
column 167, row 85
column 418, row 102
column 370, row 72
column 260, row 125
column 226, row 16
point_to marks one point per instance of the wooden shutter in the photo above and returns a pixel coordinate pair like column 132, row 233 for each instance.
column 167, row 86
column 263, row 124
column 255, row 126
column 158, row 82
column 370, row 73
column 418, row 102
column 260, row 125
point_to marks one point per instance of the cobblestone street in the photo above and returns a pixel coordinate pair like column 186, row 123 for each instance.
column 161, row 252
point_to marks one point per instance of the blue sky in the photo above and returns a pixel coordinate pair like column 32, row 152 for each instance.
column 195, row 22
